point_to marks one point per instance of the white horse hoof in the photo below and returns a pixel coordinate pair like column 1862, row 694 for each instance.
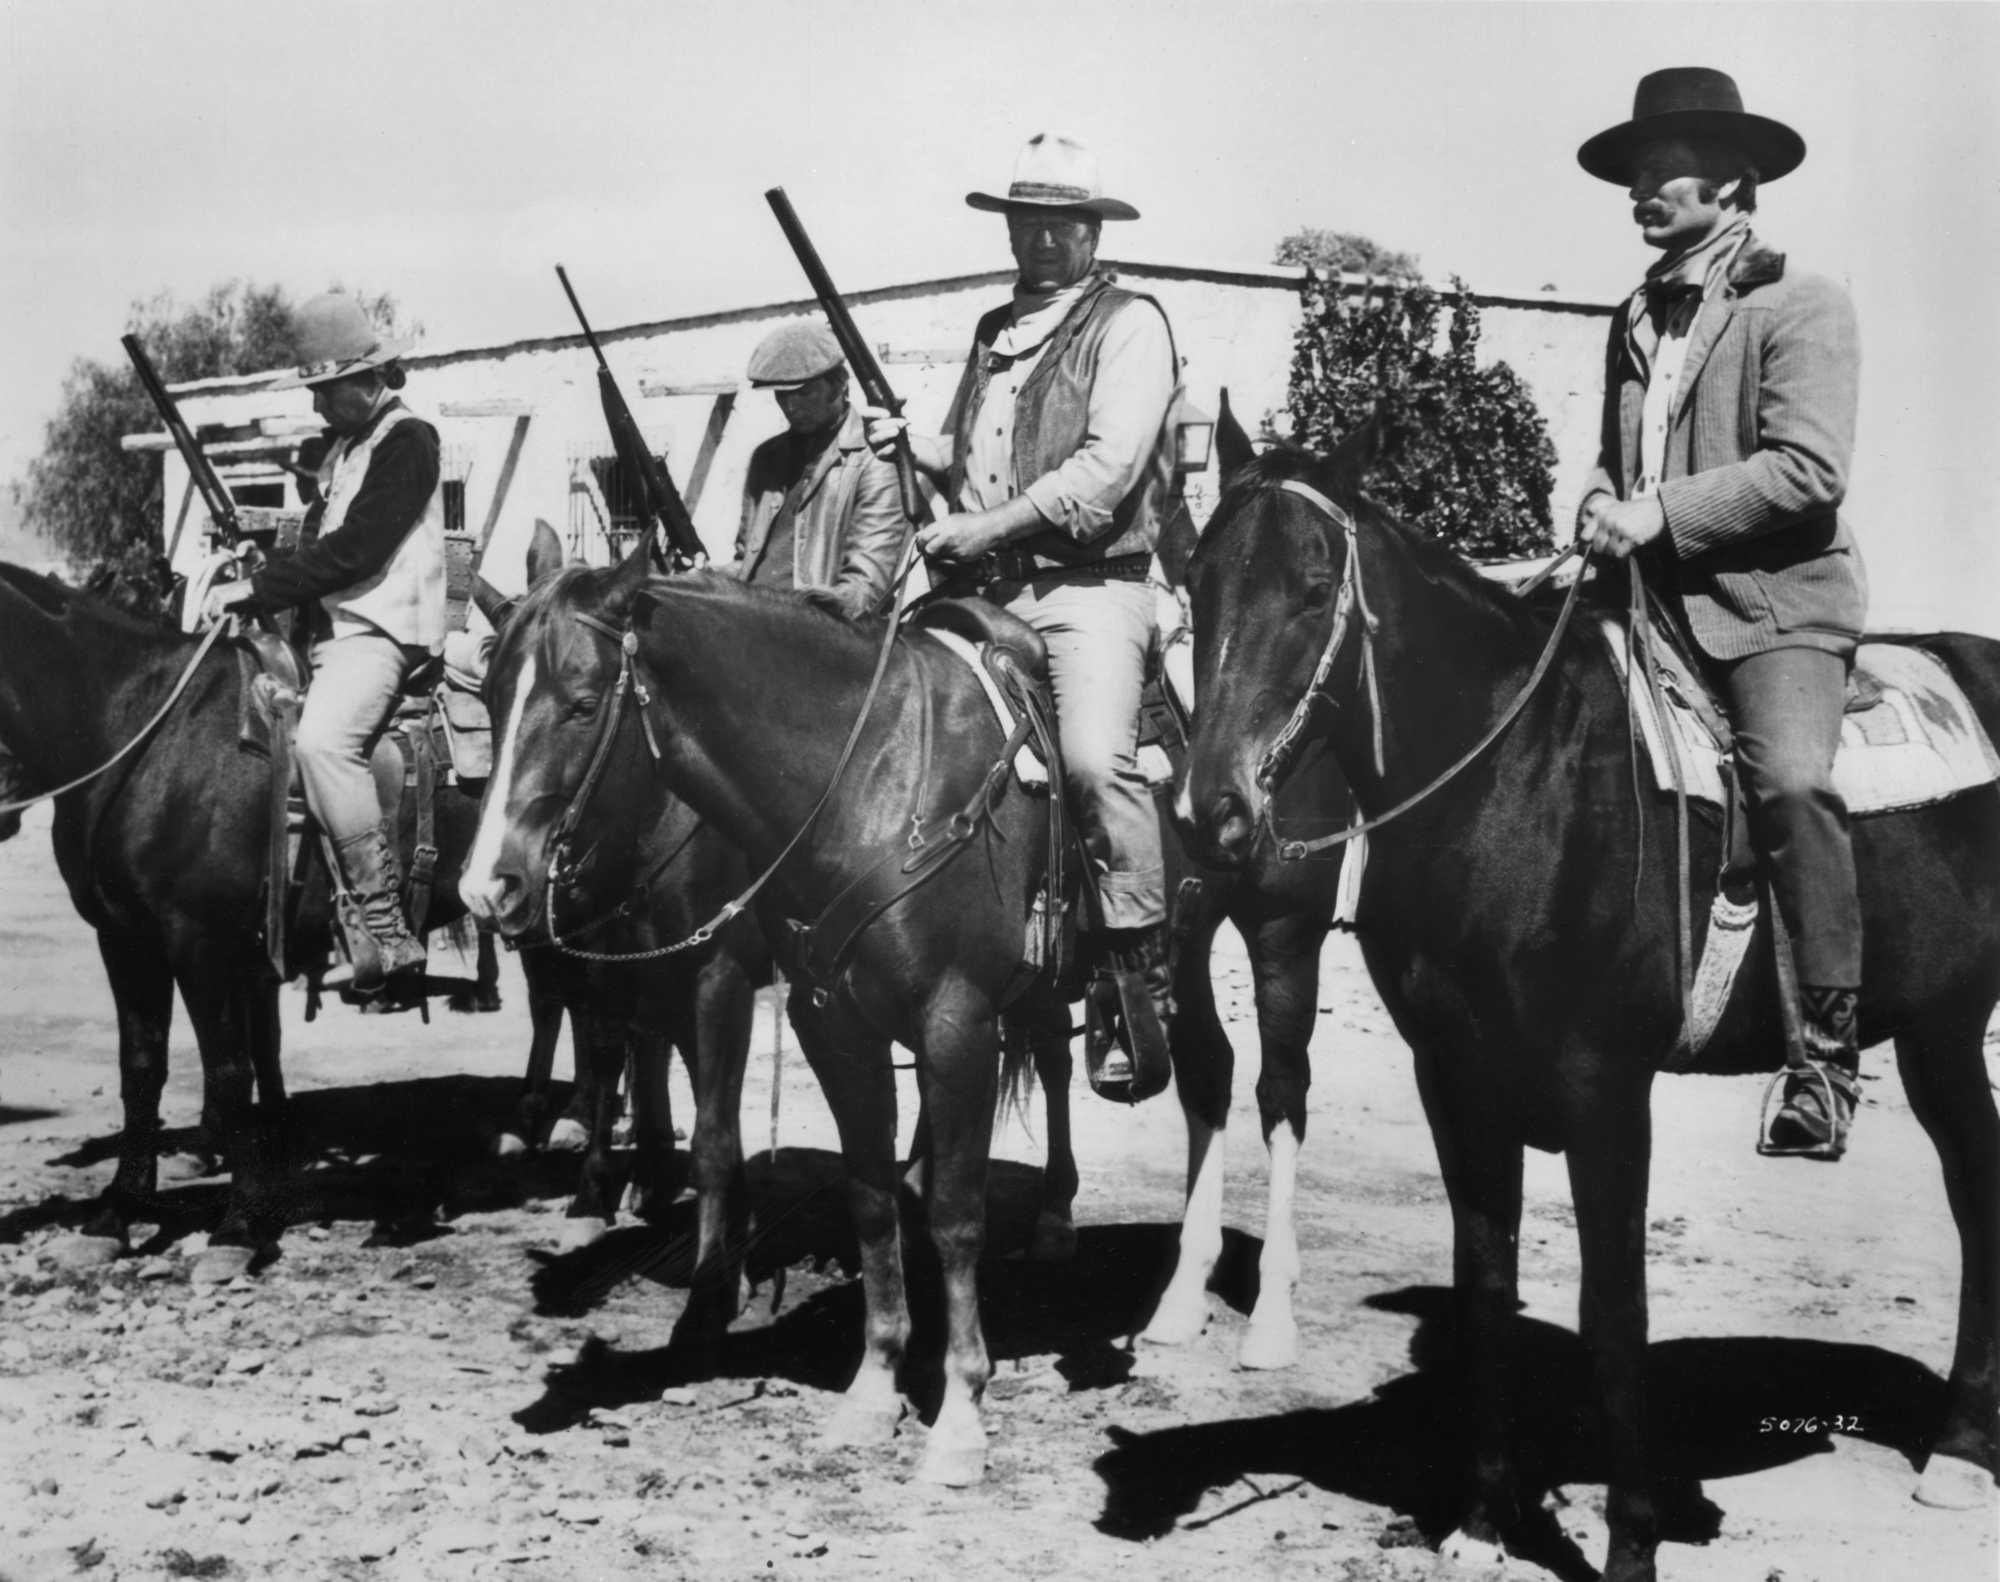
column 567, row 1137
column 509, row 1145
column 1951, row 1483
column 860, row 1424
column 1465, row 1559
column 175, row 1169
column 72, row 1253
column 577, row 1234
column 1268, row 1347
column 952, row 1466
column 220, row 1265
column 1176, row 1324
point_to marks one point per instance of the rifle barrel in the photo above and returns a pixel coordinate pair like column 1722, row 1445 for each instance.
column 576, row 307
column 221, row 508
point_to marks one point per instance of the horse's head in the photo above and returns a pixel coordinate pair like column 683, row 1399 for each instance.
column 565, row 739
column 1263, row 585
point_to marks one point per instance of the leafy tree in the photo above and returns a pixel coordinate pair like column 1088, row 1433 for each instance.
column 1463, row 452
column 100, row 504
column 1344, row 253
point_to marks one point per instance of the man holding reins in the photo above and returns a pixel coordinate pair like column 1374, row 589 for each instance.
column 1730, row 395
column 1057, row 466
column 371, row 571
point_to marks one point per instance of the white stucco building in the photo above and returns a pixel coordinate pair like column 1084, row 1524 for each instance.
column 524, row 436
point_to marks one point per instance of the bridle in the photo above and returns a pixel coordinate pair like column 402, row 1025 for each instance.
column 1282, row 755
column 630, row 685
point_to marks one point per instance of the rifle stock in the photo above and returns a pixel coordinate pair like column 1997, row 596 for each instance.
column 867, row 371
column 663, row 500
column 221, row 508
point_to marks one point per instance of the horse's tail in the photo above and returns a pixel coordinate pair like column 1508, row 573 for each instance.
column 1039, row 1016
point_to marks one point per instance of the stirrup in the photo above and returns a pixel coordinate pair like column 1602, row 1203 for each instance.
column 1125, row 1051
column 1840, row 1097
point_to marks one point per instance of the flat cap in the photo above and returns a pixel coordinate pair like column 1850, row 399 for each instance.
column 793, row 353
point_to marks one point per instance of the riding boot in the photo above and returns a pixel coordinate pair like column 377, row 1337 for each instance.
column 1129, row 1008
column 378, row 936
column 1816, row 1115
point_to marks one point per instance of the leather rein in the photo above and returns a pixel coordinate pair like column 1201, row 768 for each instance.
column 180, row 686
column 1352, row 614
column 629, row 685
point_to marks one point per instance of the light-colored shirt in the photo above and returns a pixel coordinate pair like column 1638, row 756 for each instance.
column 1705, row 265
column 1128, row 402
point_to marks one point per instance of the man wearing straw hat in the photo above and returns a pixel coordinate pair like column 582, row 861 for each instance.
column 1057, row 464
column 1730, row 396
column 822, row 513
column 374, row 581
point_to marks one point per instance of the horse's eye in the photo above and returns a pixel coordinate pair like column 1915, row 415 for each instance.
column 582, row 708
column 1318, row 595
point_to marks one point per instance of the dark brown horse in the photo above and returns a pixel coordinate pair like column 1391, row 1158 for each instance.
column 163, row 856
column 749, row 697
column 1537, row 992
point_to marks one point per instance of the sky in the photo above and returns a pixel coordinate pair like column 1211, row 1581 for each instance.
column 450, row 153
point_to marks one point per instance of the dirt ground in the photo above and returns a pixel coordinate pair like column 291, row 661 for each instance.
column 422, row 1386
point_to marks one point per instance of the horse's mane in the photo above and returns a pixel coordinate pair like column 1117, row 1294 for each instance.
column 61, row 602
column 581, row 586
column 1443, row 568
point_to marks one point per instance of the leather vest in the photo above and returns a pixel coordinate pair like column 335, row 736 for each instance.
column 406, row 598
column 1051, row 417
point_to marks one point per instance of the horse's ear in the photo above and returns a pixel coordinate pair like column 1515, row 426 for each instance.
column 545, row 553
column 1353, row 457
column 1232, row 446
column 628, row 579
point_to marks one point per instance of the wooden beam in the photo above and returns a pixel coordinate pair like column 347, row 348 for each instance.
column 931, row 358
column 718, row 420
column 500, row 486
column 491, row 406
column 653, row 388
column 262, row 444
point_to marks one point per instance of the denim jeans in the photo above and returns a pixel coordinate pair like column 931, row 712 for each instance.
column 1099, row 632
column 355, row 683
column 1785, row 708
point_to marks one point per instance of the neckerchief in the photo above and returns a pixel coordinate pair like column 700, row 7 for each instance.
column 1674, row 289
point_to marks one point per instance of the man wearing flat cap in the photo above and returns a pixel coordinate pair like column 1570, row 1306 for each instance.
column 1057, row 463
column 1730, row 392
column 821, row 512
column 371, row 571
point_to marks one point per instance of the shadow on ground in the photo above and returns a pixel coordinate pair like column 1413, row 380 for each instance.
column 1403, row 1448
column 400, row 1155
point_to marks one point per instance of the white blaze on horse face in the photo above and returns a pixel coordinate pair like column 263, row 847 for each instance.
column 480, row 887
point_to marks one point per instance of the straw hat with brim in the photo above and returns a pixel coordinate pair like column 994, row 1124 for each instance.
column 1055, row 171
column 1692, row 101
column 335, row 340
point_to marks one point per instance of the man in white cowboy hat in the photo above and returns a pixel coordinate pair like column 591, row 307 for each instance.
column 1729, row 412
column 371, row 568
column 822, row 512
column 1057, row 464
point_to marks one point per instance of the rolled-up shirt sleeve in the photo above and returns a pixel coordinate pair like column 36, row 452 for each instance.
column 1129, row 395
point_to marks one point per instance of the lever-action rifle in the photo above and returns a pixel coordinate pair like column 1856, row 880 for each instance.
column 221, row 508
column 663, row 500
column 867, row 371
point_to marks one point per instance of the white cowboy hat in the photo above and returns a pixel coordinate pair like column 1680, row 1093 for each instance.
column 335, row 340
column 1055, row 171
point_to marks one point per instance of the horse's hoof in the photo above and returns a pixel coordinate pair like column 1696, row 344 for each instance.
column 509, row 1145
column 1462, row 1558
column 952, row 1466
column 178, row 1168
column 1054, row 1240
column 219, row 1265
column 1268, row 1346
column 1177, row 1323
column 860, row 1424
column 1951, row 1483
column 73, row 1253
column 581, row 1232
column 567, row 1137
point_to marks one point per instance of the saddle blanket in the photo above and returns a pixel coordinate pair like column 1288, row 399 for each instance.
column 1913, row 739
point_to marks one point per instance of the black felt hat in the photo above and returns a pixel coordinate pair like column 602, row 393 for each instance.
column 1692, row 101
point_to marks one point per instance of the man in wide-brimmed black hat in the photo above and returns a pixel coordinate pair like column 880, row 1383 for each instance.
column 1057, row 465
column 1730, row 396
